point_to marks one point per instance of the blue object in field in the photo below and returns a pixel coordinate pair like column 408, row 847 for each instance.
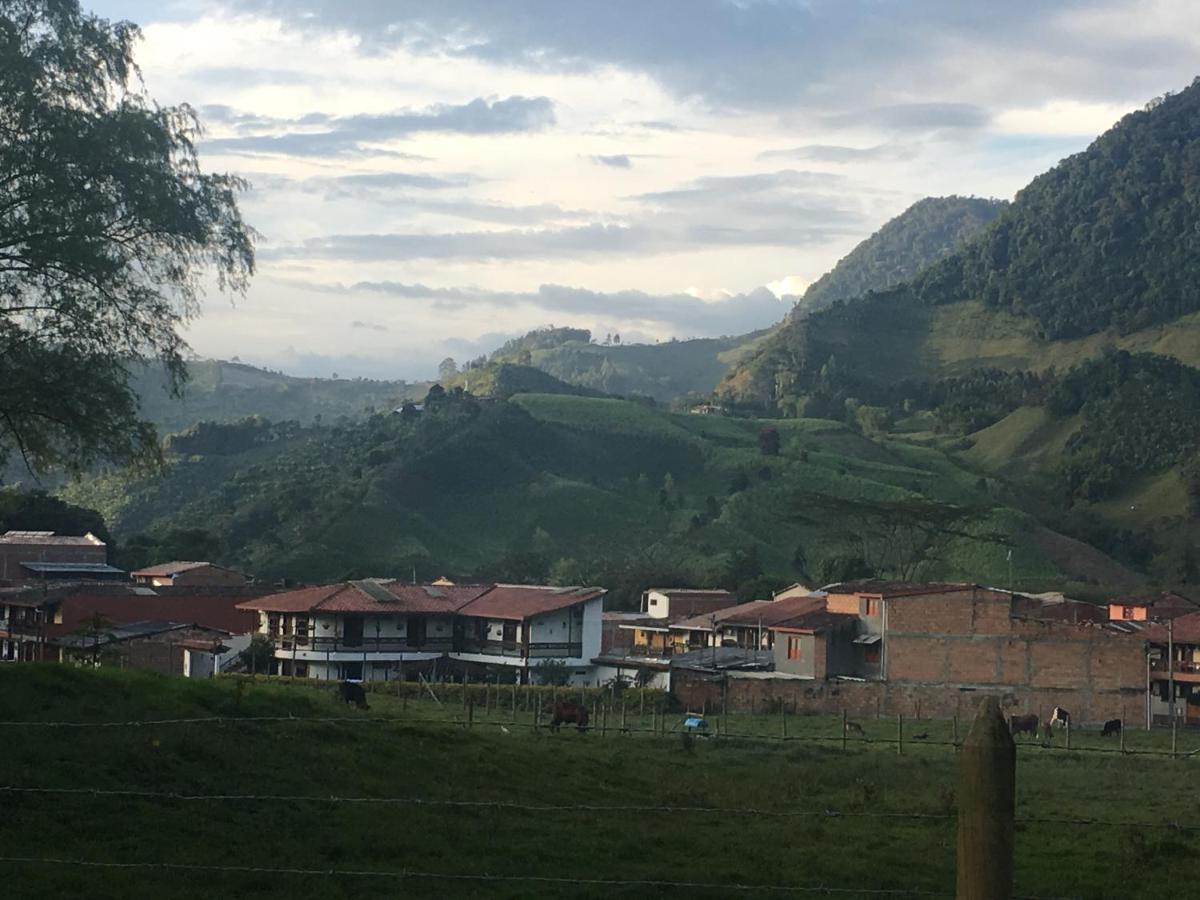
column 695, row 723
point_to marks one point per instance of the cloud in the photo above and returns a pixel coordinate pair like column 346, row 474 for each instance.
column 834, row 153
column 369, row 326
column 787, row 54
column 615, row 161
column 681, row 313
column 914, row 117
column 360, row 135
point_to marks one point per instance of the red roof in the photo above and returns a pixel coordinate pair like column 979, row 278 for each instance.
column 815, row 622
column 756, row 612
column 1184, row 630
column 215, row 610
column 873, row 587
column 503, row 601
column 523, row 601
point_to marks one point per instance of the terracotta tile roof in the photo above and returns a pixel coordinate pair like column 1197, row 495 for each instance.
column 816, row 621
column 371, row 596
column 1185, row 628
column 897, row 588
column 522, row 601
column 766, row 612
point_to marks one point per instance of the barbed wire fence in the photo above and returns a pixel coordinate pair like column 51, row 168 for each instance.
column 468, row 720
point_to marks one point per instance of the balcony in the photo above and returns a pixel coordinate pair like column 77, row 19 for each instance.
column 1181, row 667
column 287, row 643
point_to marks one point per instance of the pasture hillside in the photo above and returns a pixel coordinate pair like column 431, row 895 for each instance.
column 206, row 797
column 583, row 490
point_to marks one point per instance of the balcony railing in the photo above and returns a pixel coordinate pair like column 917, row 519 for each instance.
column 287, row 643
column 361, row 645
column 1185, row 667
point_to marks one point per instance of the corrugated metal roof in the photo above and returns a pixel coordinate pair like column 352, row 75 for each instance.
column 33, row 538
column 71, row 568
column 165, row 570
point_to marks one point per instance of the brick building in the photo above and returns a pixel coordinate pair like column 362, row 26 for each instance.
column 938, row 647
column 18, row 548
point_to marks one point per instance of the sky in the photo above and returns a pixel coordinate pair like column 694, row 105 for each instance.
column 429, row 179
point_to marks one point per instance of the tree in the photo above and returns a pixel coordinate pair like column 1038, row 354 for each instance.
column 93, row 632
column 108, row 231
column 616, row 339
column 258, row 655
column 447, row 368
column 552, row 672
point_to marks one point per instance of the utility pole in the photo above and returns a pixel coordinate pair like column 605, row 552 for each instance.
column 1171, row 667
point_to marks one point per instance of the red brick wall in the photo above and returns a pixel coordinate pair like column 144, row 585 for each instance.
column 945, row 651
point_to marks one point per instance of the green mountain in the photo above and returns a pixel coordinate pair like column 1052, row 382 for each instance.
column 925, row 233
column 220, row 391
column 664, row 372
column 583, row 489
column 1055, row 349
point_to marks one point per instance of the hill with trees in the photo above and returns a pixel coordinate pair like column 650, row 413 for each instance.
column 575, row 489
column 925, row 233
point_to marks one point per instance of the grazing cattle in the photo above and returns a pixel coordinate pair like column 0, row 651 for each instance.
column 1047, row 733
column 854, row 728
column 1019, row 724
column 1112, row 726
column 570, row 713
column 352, row 692
column 1060, row 718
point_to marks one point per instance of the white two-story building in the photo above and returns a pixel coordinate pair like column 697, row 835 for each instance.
column 373, row 629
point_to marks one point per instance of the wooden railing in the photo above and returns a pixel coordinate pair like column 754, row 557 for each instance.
column 287, row 643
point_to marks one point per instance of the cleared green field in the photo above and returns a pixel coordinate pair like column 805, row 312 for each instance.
column 405, row 800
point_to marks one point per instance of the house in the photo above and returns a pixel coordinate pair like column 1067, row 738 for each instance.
column 1173, row 668
column 818, row 644
column 380, row 629
column 37, row 554
column 747, row 625
column 934, row 649
column 33, row 618
column 707, row 409
column 171, row 648
column 182, row 573
column 663, row 606
column 1163, row 606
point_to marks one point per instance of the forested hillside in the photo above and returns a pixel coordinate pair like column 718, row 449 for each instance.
column 1056, row 349
column 219, row 391
column 574, row 489
column 926, row 232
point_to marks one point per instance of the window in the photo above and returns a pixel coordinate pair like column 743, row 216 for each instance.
column 1126, row 612
column 302, row 630
column 654, row 601
column 273, row 624
column 509, row 635
column 793, row 648
column 871, row 607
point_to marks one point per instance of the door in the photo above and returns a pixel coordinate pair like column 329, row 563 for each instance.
column 414, row 631
column 352, row 631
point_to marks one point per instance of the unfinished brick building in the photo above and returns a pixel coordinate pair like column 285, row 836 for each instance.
column 942, row 646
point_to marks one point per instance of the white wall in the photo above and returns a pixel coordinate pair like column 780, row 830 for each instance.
column 658, row 605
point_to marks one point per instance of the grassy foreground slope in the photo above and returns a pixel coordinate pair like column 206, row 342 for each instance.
column 719, row 812
column 578, row 489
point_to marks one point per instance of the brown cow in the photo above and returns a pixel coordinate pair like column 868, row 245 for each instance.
column 569, row 712
column 1019, row 724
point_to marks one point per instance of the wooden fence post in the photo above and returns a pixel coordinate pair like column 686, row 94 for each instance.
column 783, row 721
column 1068, row 734
column 466, row 684
column 1174, row 734
column 603, row 718
column 641, row 705
column 470, row 713
column 900, row 733
column 956, row 731
column 986, row 806
column 623, row 727
column 843, row 729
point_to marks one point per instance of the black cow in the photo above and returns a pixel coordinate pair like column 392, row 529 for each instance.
column 1019, row 724
column 1112, row 726
column 352, row 692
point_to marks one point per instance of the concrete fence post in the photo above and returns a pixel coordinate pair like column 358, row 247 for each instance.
column 1068, row 734
column 986, row 807
column 900, row 733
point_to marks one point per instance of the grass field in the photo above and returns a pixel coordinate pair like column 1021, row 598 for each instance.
column 490, row 810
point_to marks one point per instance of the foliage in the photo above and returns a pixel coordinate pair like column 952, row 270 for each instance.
column 928, row 231
column 40, row 511
column 552, row 672
column 258, row 654
column 108, row 230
